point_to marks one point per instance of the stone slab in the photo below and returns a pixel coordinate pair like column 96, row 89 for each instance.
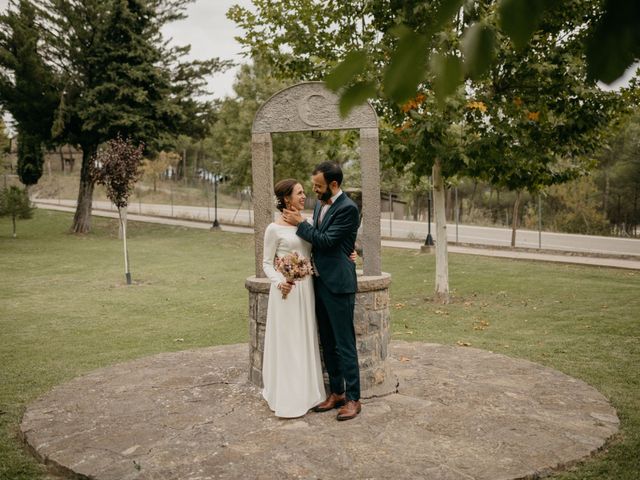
column 460, row 413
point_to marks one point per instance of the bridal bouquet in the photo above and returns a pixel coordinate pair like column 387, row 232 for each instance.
column 294, row 267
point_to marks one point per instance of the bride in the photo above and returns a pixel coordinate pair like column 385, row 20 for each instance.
column 291, row 368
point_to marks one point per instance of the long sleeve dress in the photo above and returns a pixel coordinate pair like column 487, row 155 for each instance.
column 291, row 368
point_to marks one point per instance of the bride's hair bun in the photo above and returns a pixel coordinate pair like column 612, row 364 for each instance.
column 283, row 189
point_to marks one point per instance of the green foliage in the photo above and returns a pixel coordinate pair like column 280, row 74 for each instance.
column 30, row 158
column 478, row 47
column 28, row 87
column 520, row 18
column 15, row 203
column 120, row 80
column 613, row 41
column 304, row 39
column 618, row 175
column 406, row 68
column 120, row 77
column 576, row 208
column 536, row 119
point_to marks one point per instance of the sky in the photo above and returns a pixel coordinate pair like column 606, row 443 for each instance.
column 211, row 34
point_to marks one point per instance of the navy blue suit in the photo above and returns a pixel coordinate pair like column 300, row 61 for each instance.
column 332, row 241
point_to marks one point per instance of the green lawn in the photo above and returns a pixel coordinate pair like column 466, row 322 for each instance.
column 65, row 310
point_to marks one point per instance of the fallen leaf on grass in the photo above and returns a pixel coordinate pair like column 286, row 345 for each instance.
column 480, row 325
column 460, row 343
column 178, row 340
column 399, row 305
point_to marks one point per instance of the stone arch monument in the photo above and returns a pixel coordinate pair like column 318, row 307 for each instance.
column 306, row 107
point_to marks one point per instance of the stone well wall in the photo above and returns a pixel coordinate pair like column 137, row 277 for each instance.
column 371, row 322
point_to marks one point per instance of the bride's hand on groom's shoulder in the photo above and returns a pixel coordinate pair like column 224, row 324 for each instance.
column 292, row 216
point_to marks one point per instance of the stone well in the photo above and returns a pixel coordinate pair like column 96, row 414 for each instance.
column 309, row 106
column 371, row 322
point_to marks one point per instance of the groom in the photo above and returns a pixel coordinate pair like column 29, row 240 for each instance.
column 332, row 237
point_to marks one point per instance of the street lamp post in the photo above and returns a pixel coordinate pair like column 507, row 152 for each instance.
column 216, row 224
column 429, row 240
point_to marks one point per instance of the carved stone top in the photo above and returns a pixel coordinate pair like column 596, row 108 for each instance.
column 309, row 106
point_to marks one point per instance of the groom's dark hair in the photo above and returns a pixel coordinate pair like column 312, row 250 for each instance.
column 331, row 172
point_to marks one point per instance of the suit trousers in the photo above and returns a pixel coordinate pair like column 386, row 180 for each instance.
column 334, row 312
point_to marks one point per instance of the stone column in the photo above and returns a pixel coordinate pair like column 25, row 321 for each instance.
column 370, row 158
column 262, row 171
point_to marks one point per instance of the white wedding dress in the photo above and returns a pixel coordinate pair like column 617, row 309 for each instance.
column 291, row 368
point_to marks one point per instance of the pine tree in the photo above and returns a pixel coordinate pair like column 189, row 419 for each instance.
column 15, row 203
column 28, row 87
column 122, row 79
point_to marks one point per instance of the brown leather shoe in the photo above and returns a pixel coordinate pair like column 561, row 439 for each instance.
column 333, row 401
column 350, row 410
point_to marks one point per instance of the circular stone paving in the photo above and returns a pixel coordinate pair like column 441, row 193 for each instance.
column 460, row 413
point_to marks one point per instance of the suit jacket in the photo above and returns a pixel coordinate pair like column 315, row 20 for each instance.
column 332, row 241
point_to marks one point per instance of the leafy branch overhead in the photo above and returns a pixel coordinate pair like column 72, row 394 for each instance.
column 611, row 44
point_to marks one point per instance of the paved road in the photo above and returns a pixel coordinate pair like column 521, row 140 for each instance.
column 408, row 230
column 582, row 259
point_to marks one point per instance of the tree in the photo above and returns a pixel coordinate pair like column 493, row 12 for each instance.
column 537, row 117
column 15, row 203
column 619, row 176
column 575, row 208
column 117, row 167
column 155, row 169
column 424, row 51
column 612, row 43
column 28, row 86
column 121, row 78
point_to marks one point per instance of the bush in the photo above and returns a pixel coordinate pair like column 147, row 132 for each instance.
column 15, row 203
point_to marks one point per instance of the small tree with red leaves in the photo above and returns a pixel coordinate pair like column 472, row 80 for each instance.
column 117, row 167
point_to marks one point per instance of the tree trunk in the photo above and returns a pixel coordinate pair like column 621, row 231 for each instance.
column 449, row 214
column 82, row 217
column 605, row 197
column 515, row 219
column 442, row 262
column 472, row 198
column 122, row 213
column 13, row 218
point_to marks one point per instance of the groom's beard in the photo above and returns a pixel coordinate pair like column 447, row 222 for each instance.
column 324, row 197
